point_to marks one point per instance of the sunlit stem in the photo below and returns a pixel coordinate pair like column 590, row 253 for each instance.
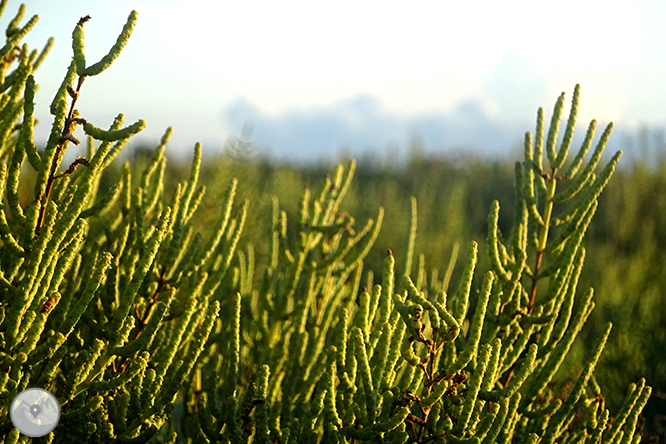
column 543, row 236
column 93, row 374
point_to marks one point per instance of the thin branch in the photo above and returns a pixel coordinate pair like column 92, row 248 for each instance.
column 60, row 151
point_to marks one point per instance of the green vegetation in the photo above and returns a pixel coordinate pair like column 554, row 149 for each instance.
column 168, row 306
column 625, row 244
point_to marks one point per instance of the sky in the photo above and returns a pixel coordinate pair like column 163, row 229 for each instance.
column 314, row 79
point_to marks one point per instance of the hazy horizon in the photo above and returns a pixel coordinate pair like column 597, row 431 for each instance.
column 361, row 77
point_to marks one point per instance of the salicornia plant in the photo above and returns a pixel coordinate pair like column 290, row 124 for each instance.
column 149, row 331
column 330, row 355
column 111, row 325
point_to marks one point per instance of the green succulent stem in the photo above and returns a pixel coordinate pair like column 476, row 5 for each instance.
column 542, row 240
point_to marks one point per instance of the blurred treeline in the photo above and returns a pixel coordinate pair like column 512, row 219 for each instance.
column 626, row 244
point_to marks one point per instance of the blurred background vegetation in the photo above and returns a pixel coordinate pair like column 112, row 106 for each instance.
column 626, row 244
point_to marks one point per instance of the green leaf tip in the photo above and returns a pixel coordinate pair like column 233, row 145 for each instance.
column 78, row 46
column 117, row 48
column 568, row 134
column 112, row 136
column 553, row 131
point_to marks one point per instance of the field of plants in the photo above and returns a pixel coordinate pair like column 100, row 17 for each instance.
column 626, row 241
column 233, row 300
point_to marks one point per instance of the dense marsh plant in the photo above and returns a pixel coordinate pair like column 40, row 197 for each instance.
column 111, row 325
column 150, row 332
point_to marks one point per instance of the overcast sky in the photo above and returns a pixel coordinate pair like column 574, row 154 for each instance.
column 314, row 77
